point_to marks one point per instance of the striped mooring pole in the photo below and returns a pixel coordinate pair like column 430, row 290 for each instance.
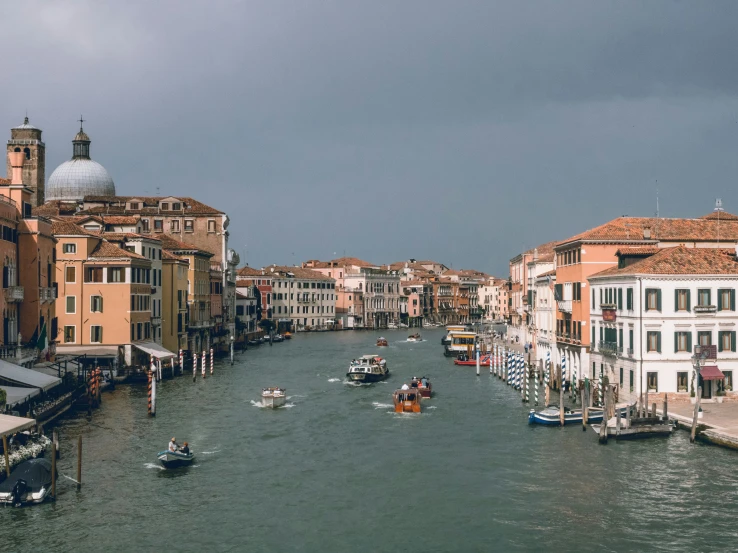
column 523, row 376
column 535, row 390
column 203, row 363
column 526, row 374
column 509, row 368
column 602, row 391
column 574, row 383
column 181, row 362
column 211, row 361
column 151, row 394
column 563, row 372
column 194, row 366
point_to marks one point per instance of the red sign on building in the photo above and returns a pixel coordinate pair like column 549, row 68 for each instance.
column 609, row 315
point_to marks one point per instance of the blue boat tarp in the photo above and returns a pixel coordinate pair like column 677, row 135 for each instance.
column 15, row 375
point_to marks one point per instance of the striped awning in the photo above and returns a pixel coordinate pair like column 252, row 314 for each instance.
column 711, row 372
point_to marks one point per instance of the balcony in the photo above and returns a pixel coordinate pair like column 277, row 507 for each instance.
column 608, row 306
column 564, row 306
column 156, row 321
column 200, row 324
column 705, row 308
column 46, row 295
column 609, row 348
column 14, row 294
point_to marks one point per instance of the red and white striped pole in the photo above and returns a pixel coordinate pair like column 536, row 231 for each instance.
column 194, row 366
column 181, row 362
column 203, row 363
column 211, row 361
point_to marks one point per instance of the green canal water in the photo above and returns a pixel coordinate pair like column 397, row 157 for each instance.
column 338, row 471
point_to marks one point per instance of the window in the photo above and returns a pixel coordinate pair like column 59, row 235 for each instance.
column 96, row 303
column 703, row 297
column 682, row 341
column 176, row 206
column 134, row 205
column 158, row 225
column 145, row 225
column 620, row 300
column 726, row 300
column 211, row 225
column 704, row 337
column 629, row 299
column 631, row 380
column 653, row 299
column 727, row 384
column 682, row 381
column 71, row 304
column 116, row 274
column 93, row 274
column 96, row 334
column 70, row 274
column 653, row 339
column 726, row 340
column 621, row 377
column 70, row 248
column 189, row 225
column 69, row 334
column 652, row 380
column 165, row 206
column 174, row 225
column 681, row 300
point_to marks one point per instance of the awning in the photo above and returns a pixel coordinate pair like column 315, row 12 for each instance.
column 711, row 372
column 11, row 425
column 16, row 374
column 90, row 351
column 15, row 395
column 155, row 350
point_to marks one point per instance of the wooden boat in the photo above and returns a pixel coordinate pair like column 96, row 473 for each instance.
column 273, row 397
column 175, row 459
column 425, row 387
column 550, row 416
column 414, row 337
column 407, row 401
column 368, row 368
column 463, row 359
column 28, row 484
column 382, row 342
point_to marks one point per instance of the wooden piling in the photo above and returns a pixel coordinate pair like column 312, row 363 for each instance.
column 603, row 424
column 561, row 406
column 693, row 434
column 617, row 422
column 585, row 411
column 653, row 410
column 55, row 441
column 79, row 461
column 627, row 415
column 7, row 457
column 666, row 412
column 53, row 471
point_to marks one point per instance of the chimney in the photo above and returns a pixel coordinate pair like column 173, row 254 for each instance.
column 535, row 254
column 16, row 163
column 647, row 232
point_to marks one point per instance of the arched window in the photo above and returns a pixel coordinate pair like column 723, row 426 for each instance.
column 27, row 151
column 17, row 150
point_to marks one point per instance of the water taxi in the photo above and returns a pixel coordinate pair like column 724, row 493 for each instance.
column 273, row 397
column 462, row 341
column 382, row 342
column 368, row 368
column 446, row 340
column 174, row 459
column 425, row 387
column 414, row 337
column 392, row 326
column 407, row 401
column 550, row 416
column 464, row 359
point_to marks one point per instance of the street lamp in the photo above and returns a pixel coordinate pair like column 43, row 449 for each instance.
column 700, row 354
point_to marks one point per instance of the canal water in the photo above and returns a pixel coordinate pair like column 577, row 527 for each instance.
column 336, row 470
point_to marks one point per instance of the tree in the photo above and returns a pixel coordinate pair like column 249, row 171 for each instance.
column 267, row 325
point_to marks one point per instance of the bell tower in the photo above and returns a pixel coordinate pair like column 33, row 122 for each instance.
column 27, row 139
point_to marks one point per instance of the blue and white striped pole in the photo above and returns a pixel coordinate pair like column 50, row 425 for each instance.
column 526, row 382
column 508, row 367
column 519, row 373
column 563, row 372
column 535, row 387
column 547, row 375
column 573, row 382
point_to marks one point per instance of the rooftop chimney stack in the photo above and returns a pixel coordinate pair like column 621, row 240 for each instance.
column 16, row 164
column 647, row 233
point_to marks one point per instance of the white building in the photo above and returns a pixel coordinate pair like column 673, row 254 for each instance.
column 544, row 315
column 650, row 312
column 302, row 299
column 539, row 264
column 246, row 310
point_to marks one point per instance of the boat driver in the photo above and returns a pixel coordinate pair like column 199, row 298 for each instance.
column 185, row 449
column 173, row 445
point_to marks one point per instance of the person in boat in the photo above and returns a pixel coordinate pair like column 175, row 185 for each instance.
column 185, row 449
column 405, row 387
column 414, row 382
column 424, row 382
column 173, row 445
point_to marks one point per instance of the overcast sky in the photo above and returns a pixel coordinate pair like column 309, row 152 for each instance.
column 457, row 130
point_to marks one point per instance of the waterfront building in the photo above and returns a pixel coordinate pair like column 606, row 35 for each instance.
column 105, row 292
column 653, row 309
column 302, row 299
column 540, row 263
column 245, row 312
column 350, row 303
column 417, row 294
column 174, row 306
column 544, row 316
column 433, row 266
column 247, row 277
column 26, row 138
column 446, row 297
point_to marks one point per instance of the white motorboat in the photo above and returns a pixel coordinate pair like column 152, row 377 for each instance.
column 273, row 397
column 368, row 368
column 392, row 326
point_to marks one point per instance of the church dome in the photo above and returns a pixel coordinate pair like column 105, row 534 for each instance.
column 80, row 176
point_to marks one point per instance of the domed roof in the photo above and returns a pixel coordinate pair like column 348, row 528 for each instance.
column 81, row 136
column 25, row 126
column 77, row 178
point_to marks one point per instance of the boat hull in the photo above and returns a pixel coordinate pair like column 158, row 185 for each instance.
column 175, row 459
column 366, row 377
column 407, row 407
column 273, row 402
column 572, row 417
column 426, row 392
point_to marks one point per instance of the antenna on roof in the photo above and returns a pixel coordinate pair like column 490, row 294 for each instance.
column 657, row 198
column 718, row 209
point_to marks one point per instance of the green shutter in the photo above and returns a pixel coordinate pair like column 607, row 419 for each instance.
column 676, row 342
column 593, row 337
column 720, row 301
column 658, row 342
column 593, row 297
column 689, row 300
column 732, row 340
column 658, row 300
column 709, row 297
column 720, row 340
column 601, row 338
column 732, row 299
column 620, row 298
column 629, row 299
column 601, row 296
column 676, row 300
column 689, row 341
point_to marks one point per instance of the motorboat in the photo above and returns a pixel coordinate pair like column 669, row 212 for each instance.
column 415, row 337
column 402, row 325
column 273, row 397
column 253, row 342
column 463, row 359
column 392, row 326
column 550, row 416
column 407, row 401
column 425, row 387
column 277, row 338
column 175, row 459
column 28, row 484
column 446, row 340
column 382, row 342
column 287, row 336
column 368, row 368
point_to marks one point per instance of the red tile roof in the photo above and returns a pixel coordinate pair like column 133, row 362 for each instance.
column 68, row 228
column 5, row 181
column 547, row 274
column 298, row 272
column 165, row 255
column 638, row 250
column 340, row 262
column 720, row 215
column 120, row 219
column 680, row 261
column 106, row 249
column 169, row 243
column 151, row 205
column 249, row 272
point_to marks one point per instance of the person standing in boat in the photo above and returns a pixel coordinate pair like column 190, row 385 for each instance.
column 173, row 447
column 405, row 387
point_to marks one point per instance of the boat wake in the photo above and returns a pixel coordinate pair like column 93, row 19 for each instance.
column 378, row 405
column 356, row 384
column 432, row 407
column 210, row 452
column 287, row 406
column 153, row 466
column 334, row 380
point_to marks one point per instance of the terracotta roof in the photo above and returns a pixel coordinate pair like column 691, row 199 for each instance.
column 248, row 272
column 168, row 256
column 151, row 204
column 120, row 220
column 680, row 261
column 547, row 274
column 68, row 228
column 543, row 249
column 298, row 272
column 108, row 250
column 631, row 229
column 55, row 208
column 5, row 181
column 414, row 282
column 119, row 236
column 721, row 215
column 169, row 243
column 638, row 250
column 451, row 272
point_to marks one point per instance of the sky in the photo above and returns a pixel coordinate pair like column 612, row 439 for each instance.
column 461, row 131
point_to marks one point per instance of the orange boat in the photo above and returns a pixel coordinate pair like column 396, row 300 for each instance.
column 382, row 342
column 407, row 401
column 463, row 359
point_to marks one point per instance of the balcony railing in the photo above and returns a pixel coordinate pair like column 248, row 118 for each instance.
column 705, row 308
column 609, row 348
column 564, row 306
column 14, row 294
column 156, row 321
column 46, row 295
column 608, row 306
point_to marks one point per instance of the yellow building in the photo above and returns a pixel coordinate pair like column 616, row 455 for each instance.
column 174, row 310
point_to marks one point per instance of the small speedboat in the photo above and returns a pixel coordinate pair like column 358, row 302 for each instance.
column 463, row 359
column 28, row 484
column 425, row 387
column 550, row 416
column 278, row 338
column 414, row 337
column 273, row 397
column 407, row 401
column 368, row 368
column 253, row 342
column 382, row 342
column 174, row 459
column 287, row 336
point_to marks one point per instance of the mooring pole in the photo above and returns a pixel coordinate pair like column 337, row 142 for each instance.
column 53, row 471
column 7, row 457
column 79, row 461
column 693, row 434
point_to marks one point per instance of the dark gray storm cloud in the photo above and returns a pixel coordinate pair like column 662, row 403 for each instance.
column 460, row 131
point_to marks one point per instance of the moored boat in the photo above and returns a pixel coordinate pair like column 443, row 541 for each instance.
column 175, row 459
column 382, row 342
column 278, row 338
column 273, row 397
column 368, row 368
column 407, row 401
column 463, row 359
column 28, row 484
column 414, row 337
column 550, row 416
column 287, row 336
column 462, row 341
column 446, row 340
